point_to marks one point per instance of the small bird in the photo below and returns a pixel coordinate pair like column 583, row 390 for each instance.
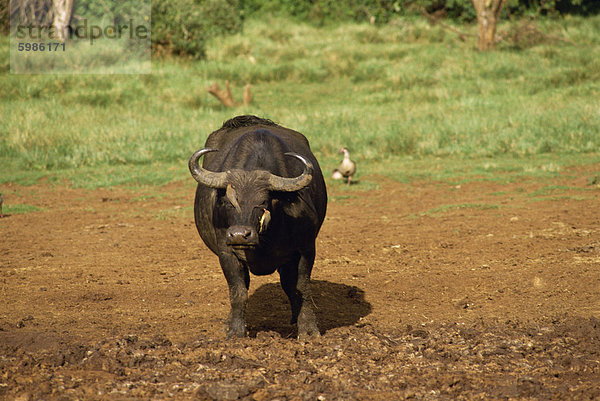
column 346, row 169
column 336, row 175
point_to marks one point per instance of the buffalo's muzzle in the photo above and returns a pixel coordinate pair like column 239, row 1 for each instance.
column 241, row 236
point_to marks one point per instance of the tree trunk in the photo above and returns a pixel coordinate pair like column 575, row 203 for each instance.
column 62, row 16
column 488, row 14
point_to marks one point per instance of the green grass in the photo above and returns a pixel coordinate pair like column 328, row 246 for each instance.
column 340, row 198
column 458, row 170
column 563, row 198
column 556, row 190
column 19, row 209
column 169, row 214
column 447, row 208
column 409, row 100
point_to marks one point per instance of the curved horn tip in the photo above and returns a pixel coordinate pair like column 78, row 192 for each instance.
column 205, row 177
column 303, row 159
column 293, row 184
column 204, row 151
column 201, row 152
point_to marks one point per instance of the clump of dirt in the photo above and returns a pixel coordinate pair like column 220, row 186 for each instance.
column 506, row 360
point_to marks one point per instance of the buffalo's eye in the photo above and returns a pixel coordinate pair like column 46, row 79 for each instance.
column 225, row 203
column 262, row 206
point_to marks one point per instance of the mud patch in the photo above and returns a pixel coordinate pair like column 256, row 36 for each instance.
column 107, row 297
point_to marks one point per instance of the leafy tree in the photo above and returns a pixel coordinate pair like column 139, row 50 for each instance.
column 488, row 15
column 488, row 12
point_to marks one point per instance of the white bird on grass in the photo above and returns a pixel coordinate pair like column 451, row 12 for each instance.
column 346, row 169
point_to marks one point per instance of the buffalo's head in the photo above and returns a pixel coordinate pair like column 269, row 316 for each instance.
column 245, row 200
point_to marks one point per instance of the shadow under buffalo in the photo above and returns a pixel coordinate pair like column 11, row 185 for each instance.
column 336, row 305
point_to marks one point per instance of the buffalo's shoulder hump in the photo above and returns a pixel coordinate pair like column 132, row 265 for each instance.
column 246, row 121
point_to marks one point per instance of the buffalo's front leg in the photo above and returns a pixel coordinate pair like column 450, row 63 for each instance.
column 238, row 279
column 295, row 280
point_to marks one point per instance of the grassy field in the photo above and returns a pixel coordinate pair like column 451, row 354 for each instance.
column 410, row 101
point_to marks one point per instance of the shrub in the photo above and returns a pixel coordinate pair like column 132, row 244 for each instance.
column 323, row 11
column 183, row 26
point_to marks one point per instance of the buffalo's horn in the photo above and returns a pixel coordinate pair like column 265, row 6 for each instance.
column 209, row 178
column 292, row 184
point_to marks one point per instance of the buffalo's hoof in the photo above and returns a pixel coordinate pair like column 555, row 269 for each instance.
column 236, row 334
column 308, row 330
column 304, row 335
column 307, row 324
column 236, row 331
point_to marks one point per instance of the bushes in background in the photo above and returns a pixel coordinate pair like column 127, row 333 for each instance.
column 323, row 11
column 183, row 26
column 381, row 11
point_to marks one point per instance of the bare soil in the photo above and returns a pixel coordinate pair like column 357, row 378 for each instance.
column 424, row 291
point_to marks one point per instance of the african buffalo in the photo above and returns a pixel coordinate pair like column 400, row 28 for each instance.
column 259, row 205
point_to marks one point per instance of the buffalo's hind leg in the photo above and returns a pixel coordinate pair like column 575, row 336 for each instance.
column 288, row 276
column 295, row 281
column 238, row 280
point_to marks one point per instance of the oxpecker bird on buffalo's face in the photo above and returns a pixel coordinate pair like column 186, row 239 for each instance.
column 259, row 205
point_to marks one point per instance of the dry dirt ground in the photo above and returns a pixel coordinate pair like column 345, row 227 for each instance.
column 424, row 291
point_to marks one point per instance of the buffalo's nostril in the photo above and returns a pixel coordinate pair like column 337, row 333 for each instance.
column 237, row 235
